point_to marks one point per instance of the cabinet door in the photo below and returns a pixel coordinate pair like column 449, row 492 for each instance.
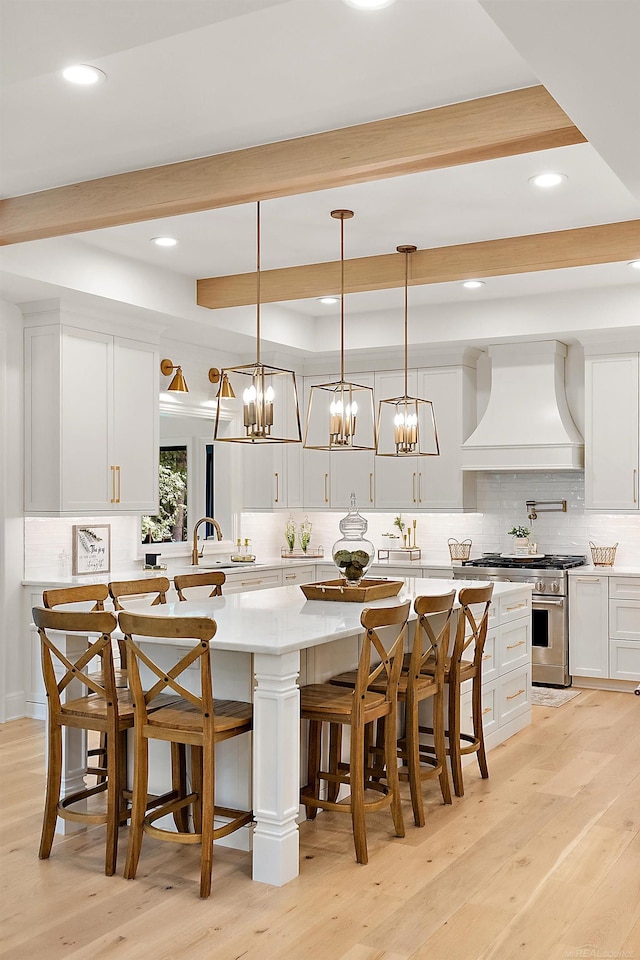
column 86, row 424
column 135, row 425
column 442, row 484
column 262, row 476
column 611, row 432
column 588, row 626
column 316, row 465
column 396, row 478
column 352, row 471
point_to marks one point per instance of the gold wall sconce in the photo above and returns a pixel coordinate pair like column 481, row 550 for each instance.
column 225, row 391
column 178, row 383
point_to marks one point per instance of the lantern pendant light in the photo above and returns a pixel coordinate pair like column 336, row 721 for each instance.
column 269, row 410
column 406, row 425
column 340, row 415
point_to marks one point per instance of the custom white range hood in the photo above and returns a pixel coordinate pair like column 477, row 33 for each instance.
column 527, row 424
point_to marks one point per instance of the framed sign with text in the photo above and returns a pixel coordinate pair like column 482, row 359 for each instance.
column 91, row 549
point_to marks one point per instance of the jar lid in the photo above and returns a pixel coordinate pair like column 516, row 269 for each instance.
column 353, row 525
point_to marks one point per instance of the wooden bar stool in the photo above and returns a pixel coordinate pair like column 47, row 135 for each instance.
column 414, row 687
column 195, row 720
column 358, row 709
column 139, row 588
column 215, row 579
column 80, row 597
column 105, row 709
column 473, row 619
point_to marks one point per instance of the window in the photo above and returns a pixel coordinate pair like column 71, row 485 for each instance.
column 171, row 523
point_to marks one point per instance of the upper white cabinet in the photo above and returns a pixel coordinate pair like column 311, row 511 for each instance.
column 272, row 472
column 431, row 483
column 91, row 422
column 611, row 432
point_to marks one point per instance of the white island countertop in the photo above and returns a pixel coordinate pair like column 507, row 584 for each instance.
column 281, row 620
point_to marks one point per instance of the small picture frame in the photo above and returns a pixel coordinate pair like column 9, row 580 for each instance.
column 91, row 549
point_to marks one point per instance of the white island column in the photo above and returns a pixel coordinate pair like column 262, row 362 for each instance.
column 276, row 767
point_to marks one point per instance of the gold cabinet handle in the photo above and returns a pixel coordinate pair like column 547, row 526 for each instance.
column 326, row 488
column 413, row 488
column 486, row 711
column 588, row 579
column 370, row 488
column 420, row 487
column 113, row 484
column 486, row 656
column 517, row 606
column 248, row 583
column 119, row 490
column 518, row 694
column 290, row 576
column 520, row 643
column 277, row 497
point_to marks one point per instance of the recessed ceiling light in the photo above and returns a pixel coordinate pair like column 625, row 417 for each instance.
column 368, row 4
column 473, row 284
column 329, row 300
column 164, row 241
column 635, row 264
column 83, row 74
column 548, row 179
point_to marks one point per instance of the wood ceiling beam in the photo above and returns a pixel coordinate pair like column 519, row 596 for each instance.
column 506, row 124
column 583, row 246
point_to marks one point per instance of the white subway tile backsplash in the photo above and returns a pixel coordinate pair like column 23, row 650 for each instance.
column 501, row 504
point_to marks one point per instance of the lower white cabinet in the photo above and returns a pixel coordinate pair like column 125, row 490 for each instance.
column 252, row 580
column 604, row 627
column 588, row 625
column 624, row 628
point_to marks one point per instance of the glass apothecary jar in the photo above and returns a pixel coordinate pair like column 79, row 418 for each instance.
column 353, row 554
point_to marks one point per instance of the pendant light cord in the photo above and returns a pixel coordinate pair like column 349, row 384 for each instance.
column 406, row 323
column 342, row 300
column 258, row 283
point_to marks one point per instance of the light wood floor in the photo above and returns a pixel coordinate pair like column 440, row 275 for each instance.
column 541, row 861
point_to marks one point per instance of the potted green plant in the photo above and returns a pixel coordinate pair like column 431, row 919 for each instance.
column 520, row 540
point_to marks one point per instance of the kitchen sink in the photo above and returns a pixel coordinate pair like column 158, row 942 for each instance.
column 224, row 565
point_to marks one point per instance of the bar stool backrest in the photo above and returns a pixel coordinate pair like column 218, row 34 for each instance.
column 390, row 651
column 200, row 629
column 472, row 623
column 139, row 588
column 431, row 644
column 86, row 624
column 95, row 593
column 214, row 578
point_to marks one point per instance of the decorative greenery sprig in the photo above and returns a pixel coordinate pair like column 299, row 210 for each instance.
column 522, row 532
column 399, row 523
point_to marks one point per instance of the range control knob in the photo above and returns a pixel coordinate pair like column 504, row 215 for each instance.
column 540, row 586
column 555, row 587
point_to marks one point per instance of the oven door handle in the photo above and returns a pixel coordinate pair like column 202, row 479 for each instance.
column 548, row 602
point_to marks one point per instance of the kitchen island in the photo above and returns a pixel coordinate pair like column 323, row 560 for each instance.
column 270, row 640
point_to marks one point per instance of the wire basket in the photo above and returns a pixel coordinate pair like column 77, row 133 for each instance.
column 459, row 550
column 603, row 556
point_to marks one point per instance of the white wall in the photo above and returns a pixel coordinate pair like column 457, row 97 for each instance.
column 11, row 499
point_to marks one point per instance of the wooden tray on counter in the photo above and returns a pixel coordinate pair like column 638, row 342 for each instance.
column 338, row 590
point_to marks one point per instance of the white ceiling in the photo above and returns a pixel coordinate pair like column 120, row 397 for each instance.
column 189, row 78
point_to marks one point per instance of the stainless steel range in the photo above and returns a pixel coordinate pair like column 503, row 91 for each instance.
column 550, row 601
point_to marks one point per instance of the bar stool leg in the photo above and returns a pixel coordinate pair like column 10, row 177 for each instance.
column 54, row 783
column 138, row 809
column 478, row 728
column 335, row 756
column 413, row 761
column 440, row 744
column 208, row 806
column 454, row 739
column 196, row 786
column 313, row 764
column 356, row 780
column 114, row 794
column 178, row 784
column 393, row 780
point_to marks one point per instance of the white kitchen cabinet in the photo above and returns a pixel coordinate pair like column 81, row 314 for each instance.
column 298, row 574
column 612, row 432
column 588, row 626
column 91, row 422
column 431, row 483
column 624, row 628
column 263, row 476
column 396, row 478
column 442, row 484
column 352, row 471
